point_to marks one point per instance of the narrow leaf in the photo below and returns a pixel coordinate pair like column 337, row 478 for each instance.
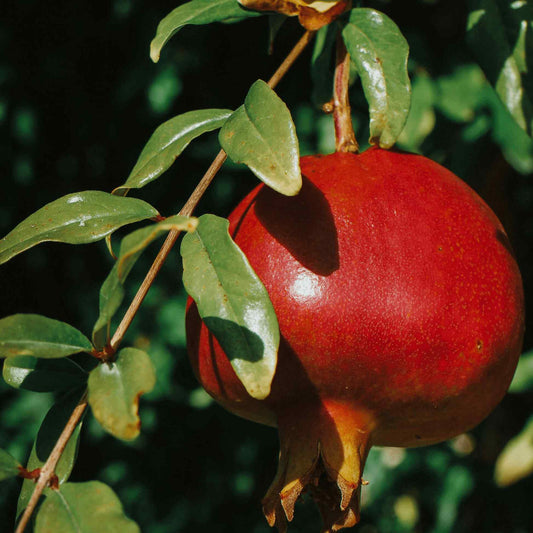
column 261, row 134
column 515, row 462
column 90, row 507
column 111, row 296
column 275, row 22
column 77, row 218
column 115, row 389
column 379, row 52
column 133, row 244
column 9, row 466
column 131, row 248
column 39, row 336
column 232, row 302
column 323, row 65
column 53, row 424
column 197, row 12
column 168, row 142
column 42, row 375
column 499, row 34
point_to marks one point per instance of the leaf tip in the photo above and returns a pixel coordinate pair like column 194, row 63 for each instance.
column 294, row 188
column 155, row 51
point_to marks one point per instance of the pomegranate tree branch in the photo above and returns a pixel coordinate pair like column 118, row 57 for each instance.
column 48, row 469
column 192, row 202
column 47, row 472
column 342, row 113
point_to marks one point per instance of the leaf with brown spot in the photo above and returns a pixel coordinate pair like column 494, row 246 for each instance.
column 115, row 389
column 262, row 135
column 379, row 52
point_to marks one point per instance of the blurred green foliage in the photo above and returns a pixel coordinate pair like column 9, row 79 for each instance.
column 79, row 97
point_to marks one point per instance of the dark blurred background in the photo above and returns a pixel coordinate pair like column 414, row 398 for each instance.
column 79, row 97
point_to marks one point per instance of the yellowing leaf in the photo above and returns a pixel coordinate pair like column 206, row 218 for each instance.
column 515, row 462
column 115, row 389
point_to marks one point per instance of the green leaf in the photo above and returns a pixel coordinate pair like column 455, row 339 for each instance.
column 134, row 244
column 461, row 93
column 323, row 65
column 51, row 428
column 523, row 377
column 115, row 389
column 499, row 34
column 39, row 336
column 197, row 12
column 275, row 22
column 232, row 302
column 90, row 507
column 168, row 142
column 379, row 51
column 515, row 462
column 261, row 134
column 111, row 296
column 131, row 248
column 42, row 375
column 77, row 218
column 9, row 466
column 516, row 144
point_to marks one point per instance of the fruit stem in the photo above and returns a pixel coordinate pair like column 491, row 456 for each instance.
column 345, row 140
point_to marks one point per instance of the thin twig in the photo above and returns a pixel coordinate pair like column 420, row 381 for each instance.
column 191, row 204
column 48, row 469
column 299, row 47
column 342, row 113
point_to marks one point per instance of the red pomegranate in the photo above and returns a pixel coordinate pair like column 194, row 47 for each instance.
column 401, row 313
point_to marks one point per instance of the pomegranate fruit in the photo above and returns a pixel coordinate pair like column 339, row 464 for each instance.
column 401, row 313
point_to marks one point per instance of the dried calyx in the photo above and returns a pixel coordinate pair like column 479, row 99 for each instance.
column 312, row 14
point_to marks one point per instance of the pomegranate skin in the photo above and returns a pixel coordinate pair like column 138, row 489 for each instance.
column 401, row 314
